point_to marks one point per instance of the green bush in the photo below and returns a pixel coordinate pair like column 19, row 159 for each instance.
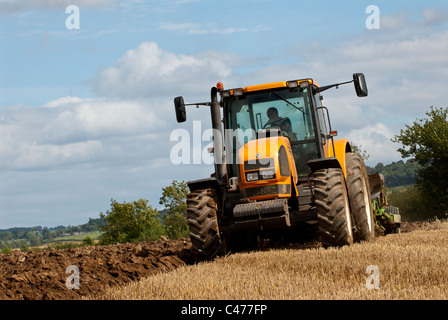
column 6, row 250
column 88, row 241
column 174, row 197
column 130, row 222
column 426, row 141
column 412, row 203
column 176, row 226
column 154, row 232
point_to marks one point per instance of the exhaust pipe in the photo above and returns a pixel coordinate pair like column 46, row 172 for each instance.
column 218, row 144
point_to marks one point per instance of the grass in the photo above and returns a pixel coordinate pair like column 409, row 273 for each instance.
column 80, row 237
column 411, row 266
column 72, row 241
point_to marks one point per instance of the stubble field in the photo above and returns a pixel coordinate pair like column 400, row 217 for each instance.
column 410, row 265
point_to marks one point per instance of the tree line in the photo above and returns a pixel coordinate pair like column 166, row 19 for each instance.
column 18, row 237
column 398, row 173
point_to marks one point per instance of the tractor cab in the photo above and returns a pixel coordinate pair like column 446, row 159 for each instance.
column 289, row 109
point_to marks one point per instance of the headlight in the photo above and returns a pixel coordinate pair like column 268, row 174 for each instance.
column 238, row 92
column 267, row 174
column 251, row 176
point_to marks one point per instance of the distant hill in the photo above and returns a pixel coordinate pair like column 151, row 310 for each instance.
column 397, row 173
column 35, row 236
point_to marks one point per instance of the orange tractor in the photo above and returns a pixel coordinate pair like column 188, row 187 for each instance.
column 278, row 170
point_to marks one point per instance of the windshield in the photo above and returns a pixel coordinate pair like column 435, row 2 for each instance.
column 289, row 110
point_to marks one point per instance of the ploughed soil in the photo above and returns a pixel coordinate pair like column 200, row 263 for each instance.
column 41, row 275
column 47, row 274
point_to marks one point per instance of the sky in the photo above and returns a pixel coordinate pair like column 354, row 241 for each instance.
column 86, row 109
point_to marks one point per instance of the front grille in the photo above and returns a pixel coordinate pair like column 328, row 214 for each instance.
column 258, row 164
column 274, row 189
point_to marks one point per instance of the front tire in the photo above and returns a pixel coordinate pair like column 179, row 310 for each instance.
column 333, row 209
column 202, row 210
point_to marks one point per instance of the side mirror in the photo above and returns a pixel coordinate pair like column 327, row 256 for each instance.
column 179, row 105
column 360, row 85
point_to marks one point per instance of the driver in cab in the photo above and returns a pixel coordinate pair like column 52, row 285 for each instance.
column 284, row 124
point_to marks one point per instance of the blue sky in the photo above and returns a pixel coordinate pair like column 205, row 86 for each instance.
column 86, row 115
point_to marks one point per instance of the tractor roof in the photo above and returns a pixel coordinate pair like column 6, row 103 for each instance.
column 267, row 86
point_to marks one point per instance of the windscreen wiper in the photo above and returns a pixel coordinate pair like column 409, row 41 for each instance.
column 300, row 109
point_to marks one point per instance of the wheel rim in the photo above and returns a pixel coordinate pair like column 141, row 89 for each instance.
column 348, row 216
column 367, row 206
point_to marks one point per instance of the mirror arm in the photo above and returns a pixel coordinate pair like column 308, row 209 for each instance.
column 199, row 104
column 321, row 89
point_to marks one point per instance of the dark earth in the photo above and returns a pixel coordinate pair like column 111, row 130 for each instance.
column 41, row 275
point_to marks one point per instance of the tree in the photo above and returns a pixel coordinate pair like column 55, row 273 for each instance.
column 358, row 149
column 174, row 197
column 6, row 235
column 34, row 238
column 47, row 234
column 130, row 222
column 411, row 203
column 427, row 142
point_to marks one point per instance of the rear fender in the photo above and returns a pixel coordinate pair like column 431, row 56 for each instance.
column 323, row 163
column 341, row 147
column 204, row 184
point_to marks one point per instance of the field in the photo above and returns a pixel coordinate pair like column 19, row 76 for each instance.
column 79, row 238
column 411, row 265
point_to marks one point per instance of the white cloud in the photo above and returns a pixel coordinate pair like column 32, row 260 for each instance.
column 70, row 130
column 403, row 24
column 376, row 140
column 150, row 71
column 63, row 101
column 435, row 16
column 32, row 155
column 396, row 21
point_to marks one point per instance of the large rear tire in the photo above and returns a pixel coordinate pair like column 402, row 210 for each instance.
column 333, row 209
column 360, row 199
column 202, row 210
